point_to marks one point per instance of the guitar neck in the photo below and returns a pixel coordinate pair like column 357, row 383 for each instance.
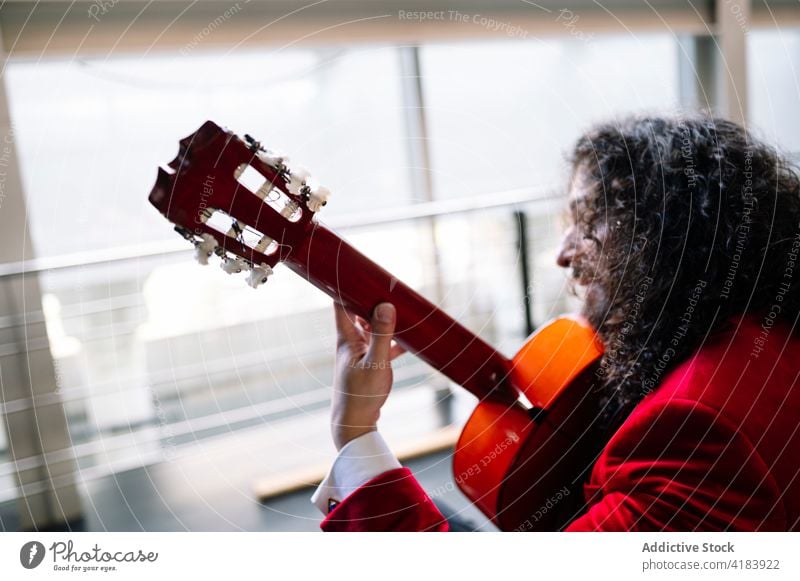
column 351, row 278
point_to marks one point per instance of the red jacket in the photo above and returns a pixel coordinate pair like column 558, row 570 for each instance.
column 715, row 447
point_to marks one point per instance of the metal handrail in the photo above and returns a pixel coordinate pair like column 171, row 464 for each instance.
column 541, row 202
column 539, row 197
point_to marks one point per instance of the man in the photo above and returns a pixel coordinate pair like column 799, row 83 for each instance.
column 685, row 243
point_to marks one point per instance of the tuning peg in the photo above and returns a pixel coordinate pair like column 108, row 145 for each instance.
column 236, row 229
column 233, row 265
column 204, row 247
column 317, row 197
column 185, row 232
column 263, row 244
column 254, row 145
column 297, row 179
column 300, row 172
column 274, row 159
column 259, row 275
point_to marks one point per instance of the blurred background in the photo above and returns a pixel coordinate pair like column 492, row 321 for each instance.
column 139, row 391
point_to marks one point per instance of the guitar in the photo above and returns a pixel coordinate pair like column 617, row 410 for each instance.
column 518, row 462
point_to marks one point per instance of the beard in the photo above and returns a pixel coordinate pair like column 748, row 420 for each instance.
column 591, row 283
column 596, row 306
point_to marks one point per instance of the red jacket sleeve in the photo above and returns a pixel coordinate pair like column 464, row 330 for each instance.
column 681, row 466
column 675, row 466
column 392, row 501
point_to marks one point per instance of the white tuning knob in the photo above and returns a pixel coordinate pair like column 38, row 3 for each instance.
column 274, row 159
column 297, row 178
column 204, row 248
column 317, row 197
column 300, row 172
column 259, row 275
column 233, row 265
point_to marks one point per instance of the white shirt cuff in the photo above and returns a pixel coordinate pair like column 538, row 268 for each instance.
column 358, row 462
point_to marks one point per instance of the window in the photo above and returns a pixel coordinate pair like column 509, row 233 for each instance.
column 503, row 114
column 774, row 86
column 155, row 352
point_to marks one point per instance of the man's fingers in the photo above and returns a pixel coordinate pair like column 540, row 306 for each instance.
column 363, row 324
column 382, row 329
column 346, row 331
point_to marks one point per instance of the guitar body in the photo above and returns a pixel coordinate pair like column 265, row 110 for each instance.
column 523, row 467
column 519, row 461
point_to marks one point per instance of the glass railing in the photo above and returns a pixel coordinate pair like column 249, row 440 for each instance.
column 154, row 354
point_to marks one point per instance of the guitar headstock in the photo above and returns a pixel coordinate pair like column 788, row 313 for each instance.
column 234, row 198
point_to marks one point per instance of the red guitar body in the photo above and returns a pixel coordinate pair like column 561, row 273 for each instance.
column 517, row 463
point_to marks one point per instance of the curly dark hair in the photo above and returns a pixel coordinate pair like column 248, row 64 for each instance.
column 694, row 221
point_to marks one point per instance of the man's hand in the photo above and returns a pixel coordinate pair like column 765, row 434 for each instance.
column 363, row 376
